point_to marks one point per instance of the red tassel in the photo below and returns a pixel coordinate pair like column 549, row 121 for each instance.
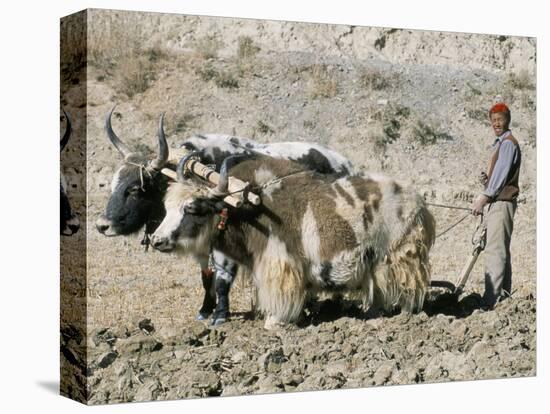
column 223, row 219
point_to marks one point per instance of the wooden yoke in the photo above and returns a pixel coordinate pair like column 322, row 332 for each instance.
column 235, row 185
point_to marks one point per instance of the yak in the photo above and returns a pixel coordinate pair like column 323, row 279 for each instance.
column 138, row 188
column 363, row 235
column 69, row 222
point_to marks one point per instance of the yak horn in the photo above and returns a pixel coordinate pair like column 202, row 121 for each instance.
column 227, row 163
column 181, row 165
column 159, row 162
column 67, row 133
column 119, row 145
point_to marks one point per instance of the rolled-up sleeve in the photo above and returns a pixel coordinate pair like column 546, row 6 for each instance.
column 506, row 156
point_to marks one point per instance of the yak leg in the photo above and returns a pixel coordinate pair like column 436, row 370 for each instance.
column 209, row 301
column 281, row 291
column 226, row 271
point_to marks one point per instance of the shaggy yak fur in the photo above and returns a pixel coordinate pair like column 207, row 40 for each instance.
column 365, row 236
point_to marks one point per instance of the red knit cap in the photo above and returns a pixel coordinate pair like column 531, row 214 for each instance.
column 500, row 107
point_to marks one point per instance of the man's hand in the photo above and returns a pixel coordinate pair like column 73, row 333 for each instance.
column 483, row 178
column 479, row 203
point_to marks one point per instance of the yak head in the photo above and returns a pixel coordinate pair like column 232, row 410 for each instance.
column 69, row 222
column 137, row 188
column 192, row 211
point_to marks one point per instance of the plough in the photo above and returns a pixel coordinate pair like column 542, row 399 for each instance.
column 479, row 240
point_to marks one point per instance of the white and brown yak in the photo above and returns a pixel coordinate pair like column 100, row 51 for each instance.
column 364, row 235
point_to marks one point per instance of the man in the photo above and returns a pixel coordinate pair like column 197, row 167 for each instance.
column 500, row 194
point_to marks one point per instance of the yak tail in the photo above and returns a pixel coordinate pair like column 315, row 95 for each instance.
column 402, row 277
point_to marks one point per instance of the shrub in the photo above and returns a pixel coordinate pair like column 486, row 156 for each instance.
column 427, row 134
column 246, row 49
column 323, row 83
column 264, row 128
column 184, row 123
column 375, row 79
column 226, row 80
column 207, row 47
column 134, row 75
column 521, row 80
column 221, row 79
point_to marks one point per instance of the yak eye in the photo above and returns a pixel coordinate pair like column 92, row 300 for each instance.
column 135, row 190
column 190, row 209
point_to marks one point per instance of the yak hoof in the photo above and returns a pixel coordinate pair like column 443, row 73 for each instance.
column 219, row 317
column 218, row 321
column 272, row 323
column 202, row 316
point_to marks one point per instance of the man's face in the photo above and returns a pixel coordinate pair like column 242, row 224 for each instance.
column 499, row 122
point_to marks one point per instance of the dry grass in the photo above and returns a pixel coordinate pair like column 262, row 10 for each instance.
column 184, row 123
column 207, row 47
column 222, row 79
column 246, row 55
column 477, row 114
column 226, row 80
column 246, row 49
column 322, row 82
column 532, row 136
column 376, row 80
column 520, row 81
column 73, row 48
column 117, row 52
column 517, row 89
column 134, row 75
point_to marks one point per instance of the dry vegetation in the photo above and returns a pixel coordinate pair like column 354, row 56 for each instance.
column 377, row 80
column 323, row 83
column 207, row 47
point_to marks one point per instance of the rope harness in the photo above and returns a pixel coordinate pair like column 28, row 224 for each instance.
column 142, row 168
column 457, row 222
column 259, row 188
column 146, row 240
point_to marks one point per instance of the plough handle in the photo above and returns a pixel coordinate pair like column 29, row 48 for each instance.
column 465, row 274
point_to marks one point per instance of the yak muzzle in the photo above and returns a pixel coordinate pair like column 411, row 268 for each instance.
column 104, row 226
column 162, row 244
column 71, row 227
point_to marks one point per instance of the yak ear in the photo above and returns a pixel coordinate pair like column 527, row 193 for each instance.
column 219, row 206
column 192, row 208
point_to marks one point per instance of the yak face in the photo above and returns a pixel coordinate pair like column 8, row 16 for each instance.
column 69, row 222
column 136, row 199
column 137, row 188
column 189, row 220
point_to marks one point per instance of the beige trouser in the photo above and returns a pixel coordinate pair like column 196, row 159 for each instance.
column 498, row 265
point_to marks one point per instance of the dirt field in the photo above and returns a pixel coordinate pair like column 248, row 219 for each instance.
column 409, row 104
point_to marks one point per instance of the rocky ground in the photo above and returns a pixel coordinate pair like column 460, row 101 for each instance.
column 409, row 104
column 335, row 346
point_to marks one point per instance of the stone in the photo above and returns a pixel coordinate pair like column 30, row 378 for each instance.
column 458, row 330
column 267, row 385
column 336, row 368
column 148, row 391
column 106, row 359
column 384, row 372
column 146, row 326
column 104, row 336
